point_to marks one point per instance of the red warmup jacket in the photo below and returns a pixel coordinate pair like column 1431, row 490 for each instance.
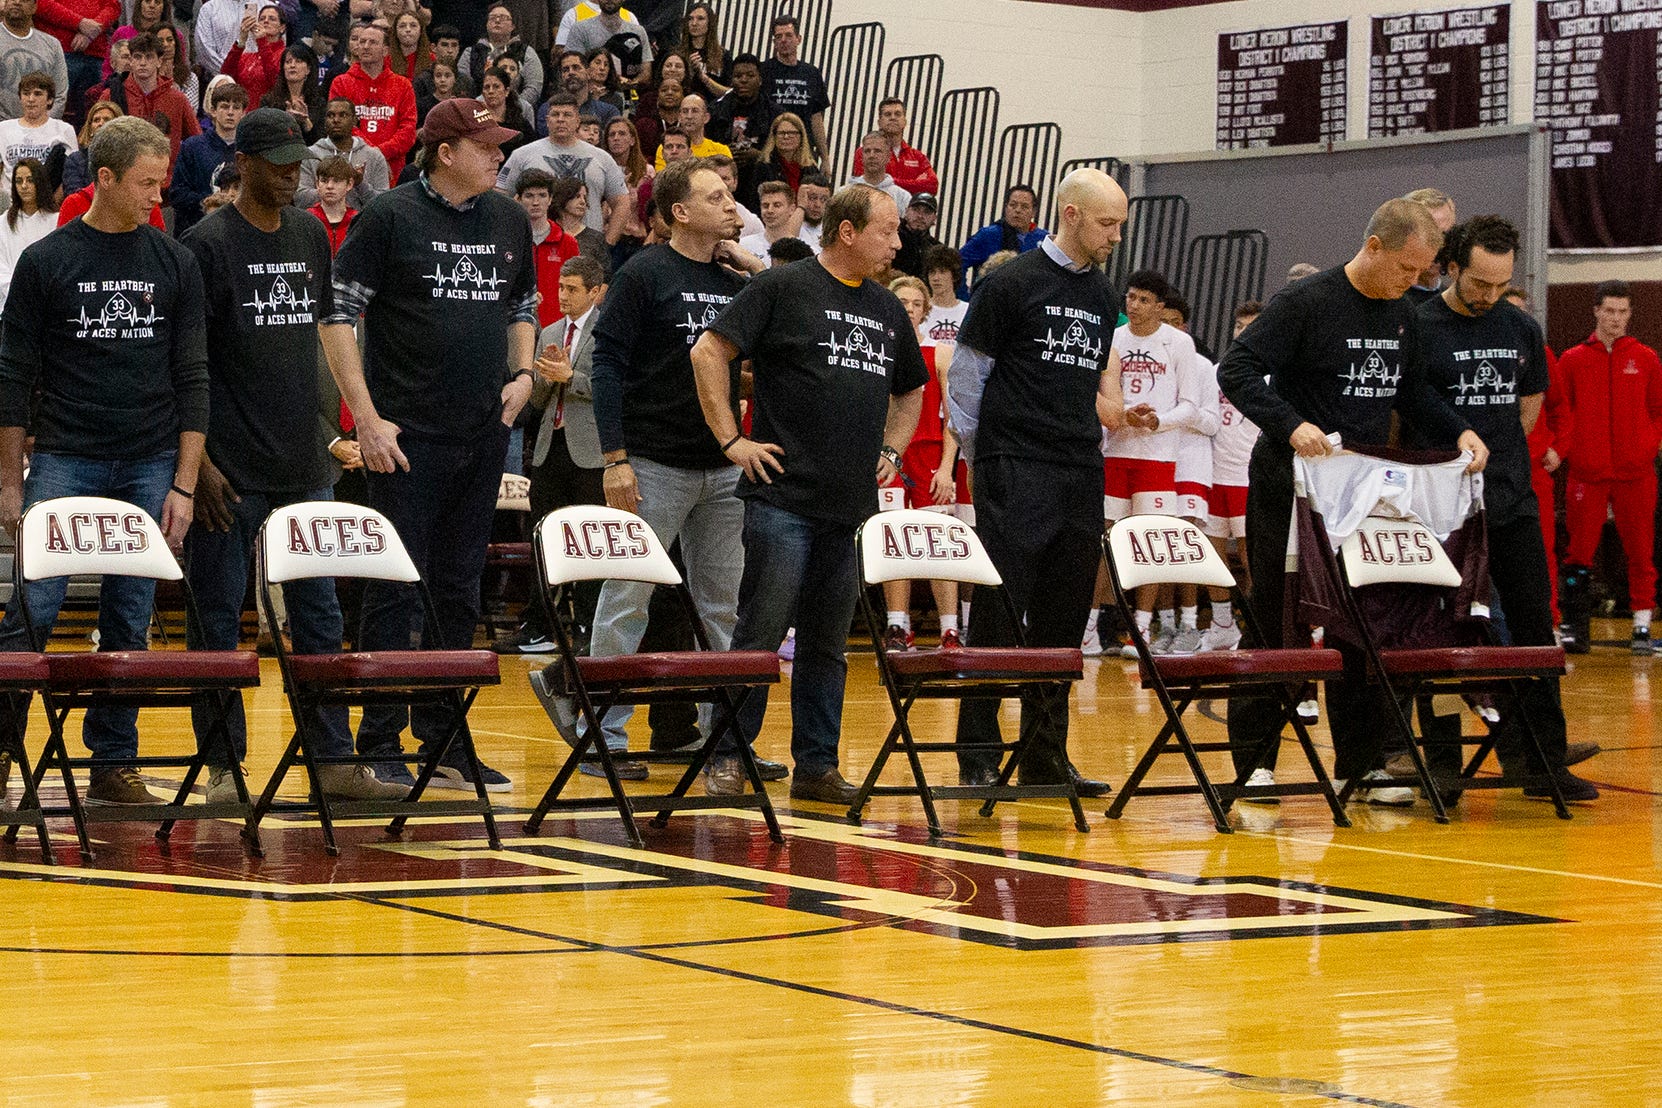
column 257, row 72
column 386, row 112
column 62, row 20
column 76, row 205
column 1616, row 398
column 909, row 167
column 1557, row 422
column 550, row 255
column 170, row 105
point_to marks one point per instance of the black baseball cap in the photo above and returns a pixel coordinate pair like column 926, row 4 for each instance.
column 272, row 134
column 925, row 200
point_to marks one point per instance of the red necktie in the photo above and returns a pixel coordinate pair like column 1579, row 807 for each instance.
column 571, row 334
column 560, row 405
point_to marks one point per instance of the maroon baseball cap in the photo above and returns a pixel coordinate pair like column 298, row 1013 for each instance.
column 461, row 118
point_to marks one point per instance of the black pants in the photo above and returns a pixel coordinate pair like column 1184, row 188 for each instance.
column 1042, row 526
column 1354, row 707
column 1518, row 571
column 558, row 483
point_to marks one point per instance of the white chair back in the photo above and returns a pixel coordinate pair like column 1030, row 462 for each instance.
column 591, row 542
column 92, row 534
column 1161, row 550
column 328, row 538
column 1397, row 550
column 514, row 494
column 910, row 544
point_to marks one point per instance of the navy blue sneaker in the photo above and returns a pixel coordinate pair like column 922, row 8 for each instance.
column 452, row 773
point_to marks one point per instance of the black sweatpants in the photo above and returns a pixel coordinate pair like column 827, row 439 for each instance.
column 1042, row 526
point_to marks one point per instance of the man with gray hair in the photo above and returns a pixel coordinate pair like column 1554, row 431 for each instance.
column 105, row 317
column 1296, row 372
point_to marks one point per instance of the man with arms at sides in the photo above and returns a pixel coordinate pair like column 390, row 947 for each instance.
column 793, row 85
column 838, row 390
column 265, row 267
column 442, row 273
column 384, row 100
column 661, row 462
column 1488, row 360
column 1293, row 372
column 563, row 154
column 104, row 317
column 1029, row 416
column 907, row 165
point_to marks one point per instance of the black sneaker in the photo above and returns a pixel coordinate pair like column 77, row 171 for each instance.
column 1641, row 642
column 452, row 773
column 524, row 641
column 1574, row 788
column 626, row 769
column 1568, row 640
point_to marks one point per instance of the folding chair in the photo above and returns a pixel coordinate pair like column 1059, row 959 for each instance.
column 22, row 674
column 332, row 539
column 1158, row 550
column 911, row 544
column 1383, row 553
column 587, row 542
column 508, row 555
column 111, row 538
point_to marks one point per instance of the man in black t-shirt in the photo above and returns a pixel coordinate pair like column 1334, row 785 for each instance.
column 265, row 268
column 1033, row 382
column 1489, row 361
column 442, row 271
column 661, row 461
column 1337, row 352
column 105, row 319
column 838, row 390
column 793, row 85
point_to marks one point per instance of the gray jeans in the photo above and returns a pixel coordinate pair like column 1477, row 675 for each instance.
column 700, row 507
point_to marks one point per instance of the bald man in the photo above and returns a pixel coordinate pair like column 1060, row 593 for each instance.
column 1032, row 383
column 1294, row 372
column 693, row 118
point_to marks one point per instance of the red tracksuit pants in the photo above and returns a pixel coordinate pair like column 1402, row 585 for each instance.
column 1546, row 495
column 1586, row 507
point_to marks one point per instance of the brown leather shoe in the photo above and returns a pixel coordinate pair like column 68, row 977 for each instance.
column 827, row 788
column 724, row 777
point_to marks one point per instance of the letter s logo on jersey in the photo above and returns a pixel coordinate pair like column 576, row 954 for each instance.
column 96, row 533
column 605, row 538
column 930, row 542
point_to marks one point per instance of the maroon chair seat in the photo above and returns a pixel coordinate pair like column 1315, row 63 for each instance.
column 23, row 670
column 689, row 667
column 988, row 662
column 1475, row 661
column 397, row 667
column 508, row 552
column 1265, row 666
column 155, row 667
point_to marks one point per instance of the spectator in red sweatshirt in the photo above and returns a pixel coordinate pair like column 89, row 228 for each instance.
column 1614, row 384
column 256, row 61
column 83, row 27
column 908, row 165
column 1548, row 443
column 385, row 101
column 151, row 96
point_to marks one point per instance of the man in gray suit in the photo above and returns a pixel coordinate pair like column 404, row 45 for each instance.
column 566, row 462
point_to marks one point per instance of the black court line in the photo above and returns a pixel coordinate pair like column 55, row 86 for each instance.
column 1315, row 1089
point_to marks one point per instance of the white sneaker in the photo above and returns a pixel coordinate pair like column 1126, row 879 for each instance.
column 1220, row 638
column 1387, row 794
column 1092, row 646
column 1308, row 712
column 1129, row 650
column 1162, row 641
column 1186, row 641
column 1260, row 777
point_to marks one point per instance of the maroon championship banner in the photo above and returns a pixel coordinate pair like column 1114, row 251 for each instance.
column 1439, row 71
column 1282, row 87
column 1597, row 67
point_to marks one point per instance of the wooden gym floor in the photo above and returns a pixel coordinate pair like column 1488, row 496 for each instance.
column 1507, row 959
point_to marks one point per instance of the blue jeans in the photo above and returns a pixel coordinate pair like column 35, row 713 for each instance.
column 124, row 603
column 700, row 507
column 217, row 564
column 84, row 71
column 442, row 509
column 799, row 572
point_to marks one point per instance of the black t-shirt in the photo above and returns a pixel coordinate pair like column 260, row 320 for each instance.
column 1483, row 364
column 1335, row 358
column 1049, row 331
column 826, row 358
column 645, row 399
column 443, row 285
column 798, row 88
column 741, row 126
column 264, row 293
column 110, row 327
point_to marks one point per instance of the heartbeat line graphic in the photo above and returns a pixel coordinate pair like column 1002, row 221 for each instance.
column 465, row 272
column 858, row 343
column 1074, row 336
column 282, row 297
column 118, row 309
column 693, row 326
column 1373, row 369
